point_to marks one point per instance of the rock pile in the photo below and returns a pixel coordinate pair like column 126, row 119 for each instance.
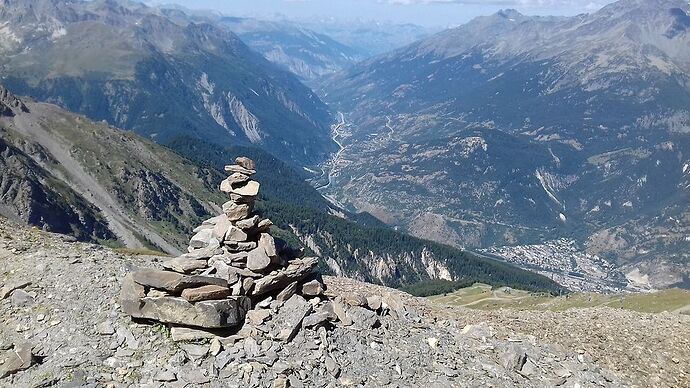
column 232, row 264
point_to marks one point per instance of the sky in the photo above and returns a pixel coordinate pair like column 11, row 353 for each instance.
column 432, row 13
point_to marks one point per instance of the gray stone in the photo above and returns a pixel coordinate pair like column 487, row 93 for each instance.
column 257, row 260
column 183, row 265
column 374, row 302
column 248, row 223
column 212, row 221
column 205, row 293
column 204, row 253
column 105, row 328
column 202, row 239
column 233, row 246
column 242, row 199
column 257, row 317
column 246, row 163
column 363, row 318
column 312, row 288
column 235, row 168
column 221, row 228
column 264, row 225
column 173, row 282
column 209, row 314
column 6, row 290
column 202, row 227
column 185, row 334
column 235, row 234
column 236, row 211
column 287, row 292
column 18, row 359
column 296, row 270
column 165, row 376
column 290, row 317
column 21, row 298
column 340, row 312
column 249, row 189
column 354, row 299
column 268, row 244
column 332, row 367
column 215, row 347
column 320, row 316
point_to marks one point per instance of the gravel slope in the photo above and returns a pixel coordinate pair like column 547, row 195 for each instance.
column 69, row 316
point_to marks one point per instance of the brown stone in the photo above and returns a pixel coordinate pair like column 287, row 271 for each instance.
column 236, row 211
column 235, row 168
column 258, row 260
column 249, row 189
column 184, row 265
column 296, row 270
column 205, row 293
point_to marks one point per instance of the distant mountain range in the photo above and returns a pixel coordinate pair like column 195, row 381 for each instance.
column 514, row 129
column 161, row 75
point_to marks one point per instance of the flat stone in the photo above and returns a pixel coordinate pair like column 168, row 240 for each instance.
column 202, row 239
column 374, row 302
column 236, row 211
column 184, row 265
column 205, row 293
column 18, row 359
column 235, row 168
column 131, row 293
column 180, row 334
column 165, row 376
column 6, row 290
column 340, row 312
column 321, row 316
column 257, row 317
column 245, row 162
column 234, row 246
column 296, row 270
column 257, row 260
column 212, row 221
column 363, row 318
column 290, row 317
column 312, row 288
column 204, row 253
column 173, row 282
column 209, row 314
column 21, row 298
column 202, row 227
column 242, row 199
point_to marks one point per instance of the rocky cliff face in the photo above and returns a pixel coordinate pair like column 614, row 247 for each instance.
column 515, row 129
column 67, row 174
column 159, row 76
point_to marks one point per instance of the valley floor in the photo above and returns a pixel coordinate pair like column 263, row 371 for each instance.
column 61, row 297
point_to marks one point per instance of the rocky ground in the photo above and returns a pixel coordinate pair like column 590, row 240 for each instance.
column 61, row 325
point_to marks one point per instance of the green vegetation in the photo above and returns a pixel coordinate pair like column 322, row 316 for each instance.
column 434, row 287
column 484, row 297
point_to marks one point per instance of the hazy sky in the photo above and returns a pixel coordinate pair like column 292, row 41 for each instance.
column 424, row 12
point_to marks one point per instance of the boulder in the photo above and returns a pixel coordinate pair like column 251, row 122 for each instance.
column 290, row 317
column 236, row 211
column 287, row 292
column 296, row 270
column 374, row 302
column 209, row 292
column 246, row 163
column 209, row 314
column 257, row 317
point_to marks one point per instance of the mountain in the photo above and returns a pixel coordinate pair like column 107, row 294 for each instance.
column 308, row 54
column 160, row 76
column 513, row 130
column 66, row 174
column 368, row 36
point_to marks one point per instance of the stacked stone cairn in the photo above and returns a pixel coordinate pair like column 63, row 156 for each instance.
column 233, row 265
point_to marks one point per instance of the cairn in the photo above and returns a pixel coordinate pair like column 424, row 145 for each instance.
column 232, row 264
